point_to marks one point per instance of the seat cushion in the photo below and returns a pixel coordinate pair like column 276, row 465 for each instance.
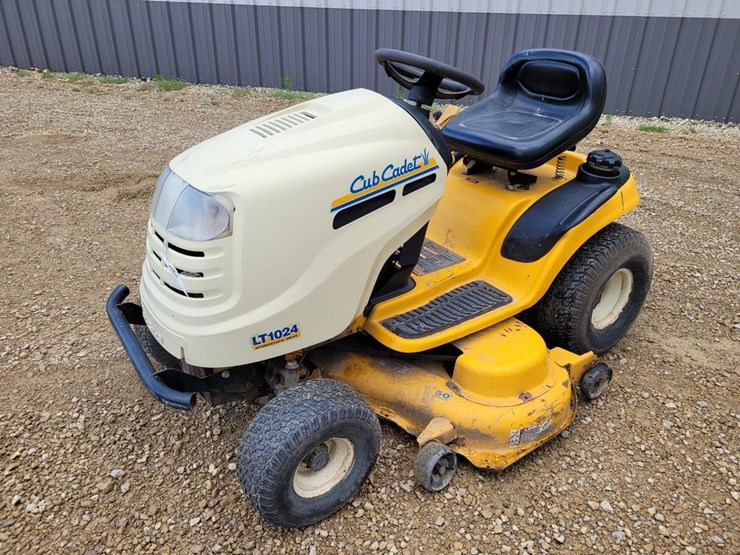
column 545, row 102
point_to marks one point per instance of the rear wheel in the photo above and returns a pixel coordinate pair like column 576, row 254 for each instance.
column 308, row 452
column 598, row 294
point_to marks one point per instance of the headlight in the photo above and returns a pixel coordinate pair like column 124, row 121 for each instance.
column 187, row 212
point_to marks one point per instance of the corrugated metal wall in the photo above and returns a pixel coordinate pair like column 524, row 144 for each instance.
column 679, row 65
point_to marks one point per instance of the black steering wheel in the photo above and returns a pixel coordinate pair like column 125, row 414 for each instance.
column 427, row 79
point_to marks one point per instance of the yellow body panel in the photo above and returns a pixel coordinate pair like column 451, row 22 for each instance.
column 472, row 220
column 506, row 396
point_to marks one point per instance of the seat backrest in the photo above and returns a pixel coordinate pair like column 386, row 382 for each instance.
column 549, row 78
column 558, row 78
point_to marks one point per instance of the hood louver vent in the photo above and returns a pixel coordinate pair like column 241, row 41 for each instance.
column 267, row 129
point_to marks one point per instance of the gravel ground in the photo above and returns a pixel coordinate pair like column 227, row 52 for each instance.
column 91, row 464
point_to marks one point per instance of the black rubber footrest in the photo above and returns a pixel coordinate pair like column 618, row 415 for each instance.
column 463, row 303
column 435, row 257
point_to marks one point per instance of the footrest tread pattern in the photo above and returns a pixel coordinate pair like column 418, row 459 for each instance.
column 459, row 305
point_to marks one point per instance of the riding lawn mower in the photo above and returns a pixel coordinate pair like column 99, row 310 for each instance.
column 352, row 257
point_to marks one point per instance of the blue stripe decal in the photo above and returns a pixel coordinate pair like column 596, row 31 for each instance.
column 373, row 193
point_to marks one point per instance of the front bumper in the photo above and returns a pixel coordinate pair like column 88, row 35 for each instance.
column 122, row 316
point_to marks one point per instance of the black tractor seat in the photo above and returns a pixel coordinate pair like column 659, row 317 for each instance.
column 545, row 102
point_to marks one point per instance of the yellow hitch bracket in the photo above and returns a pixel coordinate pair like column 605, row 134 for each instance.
column 448, row 113
column 439, row 429
column 576, row 365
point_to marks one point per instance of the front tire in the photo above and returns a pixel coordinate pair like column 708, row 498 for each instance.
column 598, row 294
column 152, row 347
column 308, row 452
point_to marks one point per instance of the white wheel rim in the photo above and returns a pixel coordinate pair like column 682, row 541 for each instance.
column 614, row 297
column 309, row 483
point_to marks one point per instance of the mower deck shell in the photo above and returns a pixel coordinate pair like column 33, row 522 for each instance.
column 507, row 395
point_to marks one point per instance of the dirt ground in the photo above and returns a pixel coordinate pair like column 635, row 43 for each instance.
column 92, row 464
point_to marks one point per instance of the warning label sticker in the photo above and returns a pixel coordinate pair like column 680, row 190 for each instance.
column 520, row 436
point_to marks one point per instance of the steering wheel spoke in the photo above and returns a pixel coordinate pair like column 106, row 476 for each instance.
column 425, row 78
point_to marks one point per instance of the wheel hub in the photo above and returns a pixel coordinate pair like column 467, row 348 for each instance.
column 600, row 385
column 318, row 458
column 325, row 466
column 443, row 466
column 613, row 300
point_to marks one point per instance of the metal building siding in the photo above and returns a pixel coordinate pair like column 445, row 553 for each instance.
column 718, row 90
column 362, row 38
column 17, row 35
column 651, row 72
column 662, row 57
column 248, row 52
column 160, row 32
column 500, row 32
column 339, row 49
column 390, row 34
column 221, row 30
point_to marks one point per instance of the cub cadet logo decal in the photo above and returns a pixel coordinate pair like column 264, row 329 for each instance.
column 274, row 337
column 392, row 175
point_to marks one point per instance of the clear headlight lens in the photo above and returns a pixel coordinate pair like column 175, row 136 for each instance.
column 187, row 212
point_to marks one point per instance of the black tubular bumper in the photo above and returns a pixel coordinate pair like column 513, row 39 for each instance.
column 122, row 316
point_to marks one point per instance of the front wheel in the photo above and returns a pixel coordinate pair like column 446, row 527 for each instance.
column 152, row 347
column 598, row 294
column 308, row 452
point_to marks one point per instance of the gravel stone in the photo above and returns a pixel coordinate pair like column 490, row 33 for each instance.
column 106, row 486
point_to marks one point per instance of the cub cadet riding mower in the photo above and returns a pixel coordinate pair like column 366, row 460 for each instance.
column 346, row 257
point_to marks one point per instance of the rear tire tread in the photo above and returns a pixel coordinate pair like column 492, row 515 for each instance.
column 559, row 314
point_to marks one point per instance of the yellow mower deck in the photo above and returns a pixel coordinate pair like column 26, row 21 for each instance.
column 462, row 261
column 506, row 396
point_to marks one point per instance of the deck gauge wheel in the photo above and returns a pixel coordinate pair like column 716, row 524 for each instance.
column 435, row 466
column 308, row 452
column 595, row 381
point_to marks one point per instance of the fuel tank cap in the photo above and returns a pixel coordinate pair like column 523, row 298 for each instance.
column 604, row 162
